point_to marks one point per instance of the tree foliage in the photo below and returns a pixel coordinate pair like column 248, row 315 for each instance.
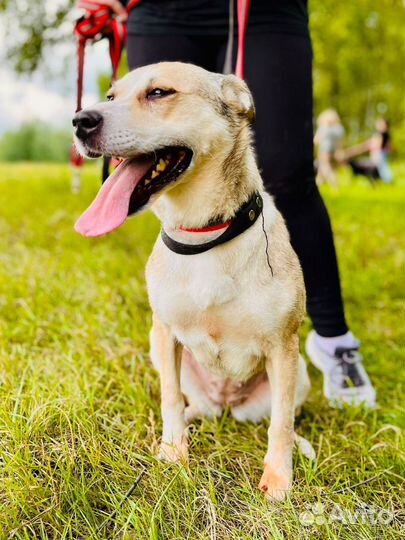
column 35, row 141
column 359, row 54
column 31, row 25
column 359, row 61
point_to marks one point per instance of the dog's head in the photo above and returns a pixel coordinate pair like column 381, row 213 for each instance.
column 163, row 120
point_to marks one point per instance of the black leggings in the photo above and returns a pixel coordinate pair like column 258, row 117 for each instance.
column 278, row 70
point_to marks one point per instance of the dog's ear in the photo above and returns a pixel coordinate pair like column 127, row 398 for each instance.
column 236, row 95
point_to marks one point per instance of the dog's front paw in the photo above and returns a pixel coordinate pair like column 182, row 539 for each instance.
column 173, row 453
column 274, row 483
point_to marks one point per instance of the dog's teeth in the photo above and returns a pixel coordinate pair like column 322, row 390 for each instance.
column 161, row 166
column 147, row 181
column 154, row 174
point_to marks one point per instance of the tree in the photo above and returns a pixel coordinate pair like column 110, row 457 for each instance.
column 30, row 25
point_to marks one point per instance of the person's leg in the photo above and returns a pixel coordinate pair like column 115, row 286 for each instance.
column 384, row 170
column 279, row 72
column 143, row 50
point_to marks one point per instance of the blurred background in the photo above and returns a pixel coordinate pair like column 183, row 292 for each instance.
column 359, row 70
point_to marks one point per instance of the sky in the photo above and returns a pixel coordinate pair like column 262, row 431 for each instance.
column 49, row 95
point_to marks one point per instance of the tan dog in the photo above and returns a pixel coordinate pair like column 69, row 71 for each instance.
column 225, row 322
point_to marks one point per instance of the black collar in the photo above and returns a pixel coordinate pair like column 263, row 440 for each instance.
column 244, row 218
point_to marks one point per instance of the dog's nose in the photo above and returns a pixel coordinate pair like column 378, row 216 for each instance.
column 86, row 122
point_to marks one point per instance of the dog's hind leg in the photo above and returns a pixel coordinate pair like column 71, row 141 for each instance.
column 166, row 353
column 303, row 385
column 194, row 387
column 258, row 404
column 281, row 366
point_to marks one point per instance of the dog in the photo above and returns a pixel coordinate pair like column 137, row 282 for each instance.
column 226, row 309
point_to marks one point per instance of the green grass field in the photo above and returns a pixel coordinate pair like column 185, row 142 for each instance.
column 79, row 401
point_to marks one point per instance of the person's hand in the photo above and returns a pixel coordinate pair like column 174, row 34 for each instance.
column 115, row 6
column 340, row 156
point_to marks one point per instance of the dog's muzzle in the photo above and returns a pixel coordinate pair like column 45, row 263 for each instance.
column 86, row 123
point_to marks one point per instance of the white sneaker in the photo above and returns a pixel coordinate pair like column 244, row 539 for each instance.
column 344, row 378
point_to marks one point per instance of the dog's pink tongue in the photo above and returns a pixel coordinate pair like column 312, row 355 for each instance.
column 109, row 209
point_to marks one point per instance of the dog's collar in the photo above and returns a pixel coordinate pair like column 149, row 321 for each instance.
column 244, row 218
column 209, row 228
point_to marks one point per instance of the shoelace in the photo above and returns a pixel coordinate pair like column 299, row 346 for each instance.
column 346, row 374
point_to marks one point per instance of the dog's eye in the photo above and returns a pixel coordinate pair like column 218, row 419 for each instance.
column 110, row 97
column 159, row 93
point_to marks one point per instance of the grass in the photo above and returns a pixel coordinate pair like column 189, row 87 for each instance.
column 79, row 401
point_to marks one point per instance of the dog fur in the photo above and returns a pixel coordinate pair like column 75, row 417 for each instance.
column 225, row 327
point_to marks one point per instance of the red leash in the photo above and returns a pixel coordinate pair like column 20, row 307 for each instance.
column 98, row 22
column 243, row 13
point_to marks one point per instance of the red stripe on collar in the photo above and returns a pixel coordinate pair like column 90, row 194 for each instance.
column 209, row 229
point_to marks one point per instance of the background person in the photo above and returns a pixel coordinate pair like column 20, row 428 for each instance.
column 376, row 165
column 328, row 138
column 380, row 147
column 278, row 70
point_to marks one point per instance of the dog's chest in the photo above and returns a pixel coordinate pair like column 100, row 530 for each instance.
column 209, row 312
